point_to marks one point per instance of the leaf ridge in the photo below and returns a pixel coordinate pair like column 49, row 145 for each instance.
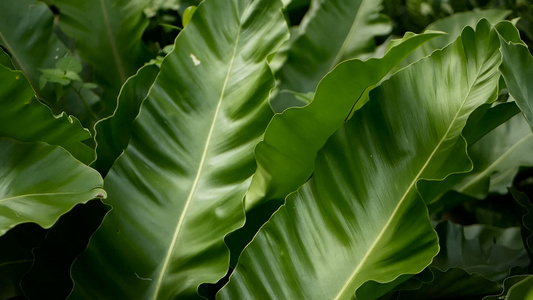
column 200, row 169
column 409, row 188
column 112, row 42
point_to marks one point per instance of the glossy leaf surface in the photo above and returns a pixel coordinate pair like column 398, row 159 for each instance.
column 286, row 156
column 339, row 230
column 178, row 188
column 40, row 182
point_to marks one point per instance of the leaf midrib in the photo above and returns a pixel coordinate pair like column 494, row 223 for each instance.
column 114, row 48
column 413, row 183
column 194, row 186
column 356, row 22
column 42, row 195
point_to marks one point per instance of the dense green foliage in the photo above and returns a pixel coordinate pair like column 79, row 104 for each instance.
column 266, row 149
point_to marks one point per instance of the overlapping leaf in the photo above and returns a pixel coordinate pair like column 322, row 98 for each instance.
column 25, row 119
column 113, row 133
column 286, row 155
column 39, row 183
column 341, row 229
column 319, row 48
column 177, row 189
column 26, row 32
column 108, row 36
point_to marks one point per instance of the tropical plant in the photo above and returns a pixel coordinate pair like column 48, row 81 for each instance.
column 266, row 149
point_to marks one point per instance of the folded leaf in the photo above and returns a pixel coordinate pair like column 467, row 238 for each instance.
column 108, row 36
column 178, row 188
column 319, row 49
column 39, row 183
column 340, row 230
column 25, row 119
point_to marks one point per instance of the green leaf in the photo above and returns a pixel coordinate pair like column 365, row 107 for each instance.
column 496, row 158
column 40, row 182
column 453, row 25
column 319, row 48
column 286, row 156
column 25, row 119
column 178, row 188
column 453, row 283
column 113, row 133
column 26, row 32
column 69, row 64
column 507, row 285
column 16, row 256
column 112, row 45
column 187, row 15
column 521, row 290
column 517, row 70
column 341, row 229
column 5, row 60
column 481, row 249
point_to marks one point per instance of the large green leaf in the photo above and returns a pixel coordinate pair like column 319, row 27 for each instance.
column 108, row 36
column 517, row 70
column 286, row 156
column 40, row 182
column 26, row 32
column 319, row 48
column 341, row 229
column 113, row 133
column 25, row 119
column 178, row 188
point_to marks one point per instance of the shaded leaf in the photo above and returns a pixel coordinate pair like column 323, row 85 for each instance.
column 39, row 183
column 453, row 283
column 26, row 32
column 319, row 48
column 177, row 189
column 481, row 249
column 16, row 257
column 25, row 119
column 453, row 25
column 113, row 133
column 340, row 229
column 49, row 275
column 517, row 70
column 108, row 37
